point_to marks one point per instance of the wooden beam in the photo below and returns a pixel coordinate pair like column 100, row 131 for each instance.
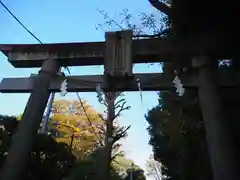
column 92, row 53
column 118, row 54
column 149, row 82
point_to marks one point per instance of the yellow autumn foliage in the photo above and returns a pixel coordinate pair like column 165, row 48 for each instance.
column 75, row 123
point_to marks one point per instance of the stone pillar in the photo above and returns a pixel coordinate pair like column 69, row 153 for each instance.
column 220, row 146
column 15, row 166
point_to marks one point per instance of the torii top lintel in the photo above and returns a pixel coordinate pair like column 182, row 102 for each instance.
column 92, row 53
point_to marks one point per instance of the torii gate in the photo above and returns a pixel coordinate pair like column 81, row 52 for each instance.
column 117, row 54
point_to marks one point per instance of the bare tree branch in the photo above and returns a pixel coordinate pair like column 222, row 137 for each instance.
column 101, row 117
column 104, row 103
column 117, row 104
column 115, row 146
column 110, row 21
column 158, row 35
column 117, row 154
column 122, row 108
column 120, row 134
column 122, row 130
column 160, row 6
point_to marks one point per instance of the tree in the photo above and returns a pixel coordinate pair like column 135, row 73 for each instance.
column 54, row 160
column 115, row 104
column 69, row 124
column 135, row 174
column 49, row 159
column 121, row 164
column 119, row 169
column 175, row 124
column 178, row 137
column 149, row 25
column 89, row 168
column 113, row 132
column 154, row 169
column 69, row 119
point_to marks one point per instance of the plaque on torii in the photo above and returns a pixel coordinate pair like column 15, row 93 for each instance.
column 118, row 57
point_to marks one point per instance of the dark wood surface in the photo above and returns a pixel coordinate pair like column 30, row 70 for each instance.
column 92, row 53
column 149, row 82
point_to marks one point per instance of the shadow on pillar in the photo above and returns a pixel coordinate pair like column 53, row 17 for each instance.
column 220, row 143
column 18, row 157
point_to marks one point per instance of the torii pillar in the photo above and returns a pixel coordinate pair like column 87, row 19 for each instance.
column 15, row 166
column 220, row 145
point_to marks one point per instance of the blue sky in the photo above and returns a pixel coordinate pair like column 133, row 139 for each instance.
column 75, row 21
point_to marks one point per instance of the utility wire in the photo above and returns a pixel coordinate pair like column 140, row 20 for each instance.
column 31, row 33
column 85, row 112
column 35, row 37
column 80, row 100
column 9, row 11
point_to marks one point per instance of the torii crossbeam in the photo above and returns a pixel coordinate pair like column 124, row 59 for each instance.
column 148, row 82
column 93, row 53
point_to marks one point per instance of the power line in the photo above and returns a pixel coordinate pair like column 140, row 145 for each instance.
column 85, row 112
column 9, row 11
column 79, row 98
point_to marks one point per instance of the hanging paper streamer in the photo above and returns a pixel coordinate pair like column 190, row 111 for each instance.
column 2, row 127
column 139, row 88
column 63, row 89
column 179, row 86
